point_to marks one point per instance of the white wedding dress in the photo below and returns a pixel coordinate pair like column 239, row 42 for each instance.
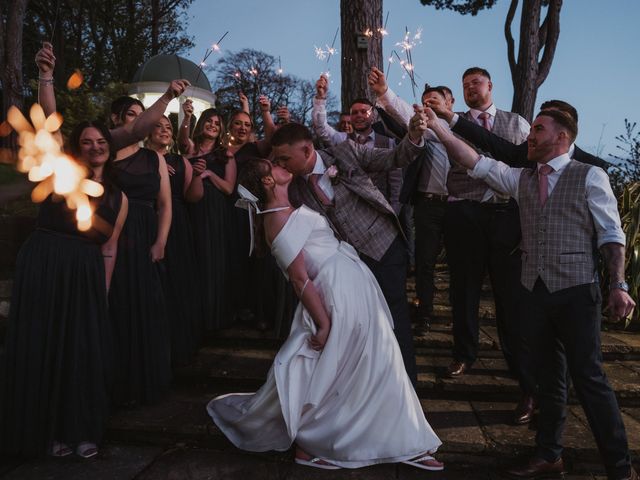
column 351, row 404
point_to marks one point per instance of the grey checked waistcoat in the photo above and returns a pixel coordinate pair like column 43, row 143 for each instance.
column 461, row 185
column 559, row 239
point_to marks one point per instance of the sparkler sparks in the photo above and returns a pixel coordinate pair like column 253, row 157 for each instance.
column 327, row 53
column 41, row 156
column 214, row 48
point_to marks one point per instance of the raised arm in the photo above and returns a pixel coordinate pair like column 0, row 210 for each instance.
column 136, row 131
column 397, row 108
column 384, row 159
column 185, row 144
column 267, row 119
column 322, row 128
column 46, row 62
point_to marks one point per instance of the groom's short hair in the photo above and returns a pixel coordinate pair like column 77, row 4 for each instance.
column 291, row 133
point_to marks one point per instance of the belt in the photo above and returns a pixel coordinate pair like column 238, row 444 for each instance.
column 434, row 197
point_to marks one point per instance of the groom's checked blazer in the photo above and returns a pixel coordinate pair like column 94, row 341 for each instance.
column 360, row 214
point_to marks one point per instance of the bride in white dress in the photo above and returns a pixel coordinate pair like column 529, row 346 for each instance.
column 337, row 387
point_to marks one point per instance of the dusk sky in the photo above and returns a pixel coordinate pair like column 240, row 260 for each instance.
column 596, row 65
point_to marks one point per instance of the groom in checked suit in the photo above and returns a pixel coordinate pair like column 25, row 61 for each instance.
column 336, row 183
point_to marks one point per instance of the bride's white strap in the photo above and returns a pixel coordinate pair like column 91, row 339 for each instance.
column 248, row 201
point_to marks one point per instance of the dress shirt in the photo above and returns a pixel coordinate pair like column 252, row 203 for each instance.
column 402, row 112
column 600, row 199
column 523, row 125
column 324, row 182
column 325, row 131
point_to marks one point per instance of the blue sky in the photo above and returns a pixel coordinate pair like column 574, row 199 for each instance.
column 596, row 66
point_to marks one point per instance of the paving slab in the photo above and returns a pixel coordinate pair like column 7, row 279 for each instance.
column 200, row 464
column 115, row 462
column 456, row 424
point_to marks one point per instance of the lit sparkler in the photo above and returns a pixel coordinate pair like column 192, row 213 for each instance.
column 214, row 48
column 327, row 53
column 41, row 156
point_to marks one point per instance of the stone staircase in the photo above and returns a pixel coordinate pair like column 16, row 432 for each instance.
column 470, row 414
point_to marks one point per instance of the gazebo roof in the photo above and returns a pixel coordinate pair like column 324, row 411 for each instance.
column 165, row 68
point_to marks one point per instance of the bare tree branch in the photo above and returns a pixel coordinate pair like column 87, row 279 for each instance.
column 551, row 41
column 509, row 38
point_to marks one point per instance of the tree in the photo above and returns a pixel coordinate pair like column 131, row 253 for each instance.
column 11, row 27
column 529, row 69
column 107, row 40
column 626, row 169
column 255, row 73
column 356, row 17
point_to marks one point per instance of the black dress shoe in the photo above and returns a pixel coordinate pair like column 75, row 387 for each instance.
column 537, row 468
column 457, row 369
column 524, row 411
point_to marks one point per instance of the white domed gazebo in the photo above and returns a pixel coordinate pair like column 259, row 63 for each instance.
column 153, row 77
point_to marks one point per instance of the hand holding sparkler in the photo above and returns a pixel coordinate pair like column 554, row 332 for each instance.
column 244, row 102
column 46, row 61
column 322, row 86
column 265, row 103
column 377, row 81
column 176, row 88
column 187, row 108
column 418, row 124
column 284, row 116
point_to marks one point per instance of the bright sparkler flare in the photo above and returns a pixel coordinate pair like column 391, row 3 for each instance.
column 215, row 47
column 368, row 33
column 280, row 71
column 382, row 31
column 253, row 71
column 41, row 156
column 320, row 53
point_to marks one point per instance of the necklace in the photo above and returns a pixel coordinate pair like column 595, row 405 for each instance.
column 274, row 209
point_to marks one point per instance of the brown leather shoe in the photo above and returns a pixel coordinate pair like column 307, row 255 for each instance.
column 524, row 411
column 457, row 369
column 537, row 468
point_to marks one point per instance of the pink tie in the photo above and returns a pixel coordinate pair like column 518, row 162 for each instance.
column 485, row 117
column 543, row 183
column 314, row 178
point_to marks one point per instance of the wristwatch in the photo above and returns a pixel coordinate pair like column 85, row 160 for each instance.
column 624, row 286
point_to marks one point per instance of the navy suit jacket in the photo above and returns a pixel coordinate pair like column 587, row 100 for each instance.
column 507, row 152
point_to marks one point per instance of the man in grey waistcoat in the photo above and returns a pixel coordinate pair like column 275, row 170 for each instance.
column 336, row 183
column 567, row 213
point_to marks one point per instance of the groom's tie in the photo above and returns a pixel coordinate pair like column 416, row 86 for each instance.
column 313, row 180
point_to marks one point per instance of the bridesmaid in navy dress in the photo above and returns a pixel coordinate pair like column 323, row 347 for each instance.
column 57, row 369
column 180, row 281
column 211, row 217
column 136, row 301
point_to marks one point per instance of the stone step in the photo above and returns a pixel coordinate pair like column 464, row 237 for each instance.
column 246, row 368
column 616, row 344
column 472, row 432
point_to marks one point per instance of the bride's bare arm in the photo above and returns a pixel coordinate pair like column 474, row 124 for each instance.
column 308, row 295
